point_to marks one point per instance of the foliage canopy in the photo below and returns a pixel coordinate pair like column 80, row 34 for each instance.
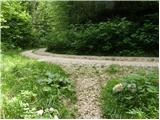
column 82, row 27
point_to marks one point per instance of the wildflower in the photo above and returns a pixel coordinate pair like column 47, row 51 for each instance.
column 51, row 109
column 39, row 112
column 55, row 117
column 118, row 88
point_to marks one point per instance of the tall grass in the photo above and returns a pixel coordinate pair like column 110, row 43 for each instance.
column 32, row 89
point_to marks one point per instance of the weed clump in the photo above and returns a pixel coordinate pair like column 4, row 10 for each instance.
column 34, row 89
column 112, row 69
column 131, row 97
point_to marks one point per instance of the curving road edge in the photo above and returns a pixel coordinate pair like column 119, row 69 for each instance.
column 41, row 55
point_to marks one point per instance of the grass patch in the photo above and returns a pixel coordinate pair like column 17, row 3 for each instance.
column 32, row 89
column 112, row 69
column 131, row 96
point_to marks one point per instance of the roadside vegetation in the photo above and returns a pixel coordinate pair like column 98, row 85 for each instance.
column 32, row 89
column 115, row 37
column 115, row 28
column 131, row 96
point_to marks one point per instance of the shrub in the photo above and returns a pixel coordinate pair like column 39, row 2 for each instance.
column 132, row 97
column 116, row 36
column 94, row 38
column 59, row 42
column 147, row 37
column 19, row 27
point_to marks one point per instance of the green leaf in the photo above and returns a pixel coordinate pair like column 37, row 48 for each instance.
column 129, row 97
column 46, row 89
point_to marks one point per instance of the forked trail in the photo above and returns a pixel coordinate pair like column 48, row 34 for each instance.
column 87, row 73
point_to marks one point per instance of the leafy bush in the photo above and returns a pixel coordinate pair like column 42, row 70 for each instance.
column 132, row 97
column 33, row 89
column 18, row 30
column 8, row 47
column 147, row 37
column 59, row 42
column 116, row 36
column 91, row 38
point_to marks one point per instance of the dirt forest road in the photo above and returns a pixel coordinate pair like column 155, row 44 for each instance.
column 40, row 54
column 85, row 71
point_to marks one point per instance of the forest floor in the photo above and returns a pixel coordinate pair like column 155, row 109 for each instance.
column 89, row 74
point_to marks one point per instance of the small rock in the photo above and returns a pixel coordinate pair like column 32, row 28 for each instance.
column 118, row 88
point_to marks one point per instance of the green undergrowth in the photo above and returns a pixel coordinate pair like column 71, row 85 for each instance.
column 112, row 69
column 132, row 95
column 34, row 89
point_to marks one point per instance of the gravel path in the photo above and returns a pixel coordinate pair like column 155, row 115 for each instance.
column 86, row 73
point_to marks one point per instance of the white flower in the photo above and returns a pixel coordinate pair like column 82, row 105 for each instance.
column 39, row 112
column 118, row 88
column 51, row 109
column 55, row 117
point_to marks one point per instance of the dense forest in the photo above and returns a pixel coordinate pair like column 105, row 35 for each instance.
column 82, row 27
